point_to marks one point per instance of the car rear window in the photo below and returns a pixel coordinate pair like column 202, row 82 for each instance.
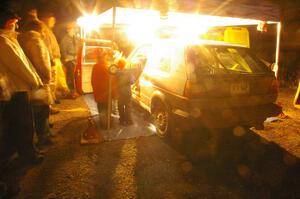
column 225, row 59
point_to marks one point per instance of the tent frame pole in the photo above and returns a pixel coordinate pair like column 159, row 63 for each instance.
column 110, row 76
column 276, row 66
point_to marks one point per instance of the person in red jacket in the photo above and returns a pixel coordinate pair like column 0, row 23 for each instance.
column 100, row 84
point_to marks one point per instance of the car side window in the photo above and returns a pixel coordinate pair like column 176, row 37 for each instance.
column 140, row 57
column 200, row 57
column 138, row 60
column 161, row 59
column 164, row 64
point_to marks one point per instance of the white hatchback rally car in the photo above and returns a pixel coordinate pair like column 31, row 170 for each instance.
column 208, row 83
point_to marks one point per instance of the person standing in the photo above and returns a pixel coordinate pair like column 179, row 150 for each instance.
column 100, row 84
column 69, row 46
column 30, row 15
column 124, row 81
column 35, row 49
column 22, row 78
column 5, row 96
column 59, row 85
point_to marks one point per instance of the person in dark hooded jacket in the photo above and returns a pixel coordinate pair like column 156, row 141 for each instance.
column 124, row 81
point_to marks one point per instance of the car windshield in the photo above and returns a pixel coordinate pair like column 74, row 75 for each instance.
column 225, row 59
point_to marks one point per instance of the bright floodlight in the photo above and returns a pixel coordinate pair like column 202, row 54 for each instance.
column 89, row 22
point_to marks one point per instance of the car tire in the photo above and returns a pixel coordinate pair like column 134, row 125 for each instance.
column 162, row 119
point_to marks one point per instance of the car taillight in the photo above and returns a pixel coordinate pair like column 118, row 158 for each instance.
column 274, row 87
column 194, row 89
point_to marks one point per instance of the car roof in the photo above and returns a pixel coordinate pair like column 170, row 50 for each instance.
column 216, row 43
column 194, row 42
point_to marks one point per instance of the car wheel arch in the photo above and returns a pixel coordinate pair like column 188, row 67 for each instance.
column 158, row 97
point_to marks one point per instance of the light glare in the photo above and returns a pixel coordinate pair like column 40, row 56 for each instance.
column 89, row 22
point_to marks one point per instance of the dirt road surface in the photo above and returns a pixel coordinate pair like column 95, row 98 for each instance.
column 246, row 165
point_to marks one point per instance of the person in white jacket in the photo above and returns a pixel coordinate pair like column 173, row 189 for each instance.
column 22, row 78
column 36, row 50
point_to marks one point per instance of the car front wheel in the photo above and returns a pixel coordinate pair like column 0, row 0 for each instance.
column 162, row 119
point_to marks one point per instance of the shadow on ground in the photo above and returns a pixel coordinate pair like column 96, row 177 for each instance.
column 243, row 161
column 66, row 148
column 239, row 160
column 191, row 164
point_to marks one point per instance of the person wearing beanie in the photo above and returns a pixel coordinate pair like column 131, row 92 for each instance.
column 124, row 81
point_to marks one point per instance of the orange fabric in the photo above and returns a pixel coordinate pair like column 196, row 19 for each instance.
column 121, row 63
column 78, row 68
column 100, row 81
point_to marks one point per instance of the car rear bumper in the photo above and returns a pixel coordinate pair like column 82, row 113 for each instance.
column 229, row 117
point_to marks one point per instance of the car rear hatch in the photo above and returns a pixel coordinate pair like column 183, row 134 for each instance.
column 229, row 79
column 232, row 90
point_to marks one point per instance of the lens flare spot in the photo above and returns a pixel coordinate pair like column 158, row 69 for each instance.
column 239, row 131
column 243, row 170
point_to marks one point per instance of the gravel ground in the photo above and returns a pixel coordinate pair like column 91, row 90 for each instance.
column 285, row 132
column 246, row 166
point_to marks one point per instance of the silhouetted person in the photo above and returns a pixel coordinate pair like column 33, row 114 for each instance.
column 69, row 47
column 124, row 81
column 59, row 85
column 100, row 84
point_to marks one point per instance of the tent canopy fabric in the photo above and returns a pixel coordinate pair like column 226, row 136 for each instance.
column 263, row 10
column 127, row 16
column 250, row 9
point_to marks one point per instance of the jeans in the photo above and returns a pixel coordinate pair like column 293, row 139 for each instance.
column 70, row 66
column 125, row 112
column 18, row 125
column 103, row 114
column 41, row 121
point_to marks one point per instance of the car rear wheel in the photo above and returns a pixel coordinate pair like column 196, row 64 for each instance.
column 162, row 119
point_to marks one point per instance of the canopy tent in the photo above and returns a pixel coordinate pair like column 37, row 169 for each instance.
column 249, row 9
column 191, row 14
column 208, row 13
column 228, row 13
column 263, row 10
column 129, row 16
